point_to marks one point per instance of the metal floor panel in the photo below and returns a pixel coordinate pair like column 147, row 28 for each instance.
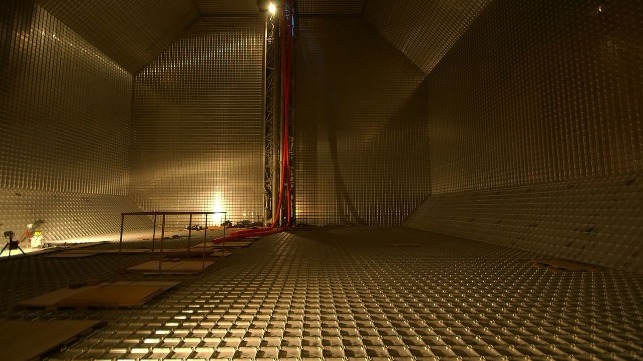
column 369, row 293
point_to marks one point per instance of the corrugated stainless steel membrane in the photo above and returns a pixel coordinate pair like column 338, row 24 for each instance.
column 67, row 215
column 198, row 122
column 64, row 120
column 331, row 7
column 360, row 133
column 552, row 95
column 536, row 133
column 365, row 293
column 132, row 33
column 599, row 221
column 424, row 31
column 221, row 7
column 67, row 108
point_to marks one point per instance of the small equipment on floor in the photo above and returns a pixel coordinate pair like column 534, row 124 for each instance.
column 11, row 243
column 34, row 235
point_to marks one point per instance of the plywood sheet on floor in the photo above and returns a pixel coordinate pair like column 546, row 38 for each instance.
column 69, row 246
column 172, row 266
column 70, row 255
column 205, row 245
column 233, row 244
column 28, row 340
column 112, row 296
column 50, row 299
column 199, row 250
column 221, row 253
column 125, row 250
column 102, row 295
column 78, row 253
column 81, row 251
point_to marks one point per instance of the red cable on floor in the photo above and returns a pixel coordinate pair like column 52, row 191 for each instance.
column 286, row 64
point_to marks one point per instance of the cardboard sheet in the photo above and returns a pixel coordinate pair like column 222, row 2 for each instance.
column 28, row 340
column 173, row 266
column 101, row 295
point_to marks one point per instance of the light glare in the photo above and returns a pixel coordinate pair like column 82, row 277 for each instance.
column 272, row 8
column 218, row 206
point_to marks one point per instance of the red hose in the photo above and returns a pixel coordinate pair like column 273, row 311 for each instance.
column 233, row 237
column 286, row 55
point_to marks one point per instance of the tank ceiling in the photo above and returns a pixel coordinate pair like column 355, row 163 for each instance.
column 304, row 7
column 331, row 7
column 224, row 7
column 130, row 32
column 423, row 30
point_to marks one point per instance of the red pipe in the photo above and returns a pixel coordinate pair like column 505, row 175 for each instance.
column 286, row 53
column 234, row 237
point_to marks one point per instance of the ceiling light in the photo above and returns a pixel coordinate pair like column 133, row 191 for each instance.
column 266, row 5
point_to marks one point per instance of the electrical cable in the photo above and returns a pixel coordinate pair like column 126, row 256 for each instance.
column 284, row 180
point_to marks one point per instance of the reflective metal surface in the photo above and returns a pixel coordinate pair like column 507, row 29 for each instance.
column 64, row 121
column 535, row 100
column 198, row 122
column 360, row 132
column 331, row 7
column 536, row 131
column 423, row 30
column 598, row 221
column 67, row 215
column 130, row 32
column 353, row 294
column 221, row 7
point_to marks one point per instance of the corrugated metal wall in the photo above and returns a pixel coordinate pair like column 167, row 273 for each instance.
column 423, row 30
column 360, row 133
column 198, row 122
column 64, row 121
column 331, row 7
column 132, row 33
column 526, row 115
column 536, row 134
column 219, row 7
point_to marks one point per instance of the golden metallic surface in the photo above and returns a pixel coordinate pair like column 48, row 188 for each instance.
column 423, row 30
column 360, row 132
column 521, row 120
column 198, row 124
column 132, row 33
column 331, row 7
column 227, row 7
column 535, row 129
column 65, row 123
column 353, row 293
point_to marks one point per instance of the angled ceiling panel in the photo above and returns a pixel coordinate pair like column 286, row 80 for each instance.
column 227, row 7
column 331, row 7
column 423, row 30
column 132, row 33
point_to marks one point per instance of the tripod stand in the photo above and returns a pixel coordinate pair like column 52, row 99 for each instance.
column 11, row 244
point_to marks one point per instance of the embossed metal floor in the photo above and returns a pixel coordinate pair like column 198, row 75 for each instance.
column 351, row 293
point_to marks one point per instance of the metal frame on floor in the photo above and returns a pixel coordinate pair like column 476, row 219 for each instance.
column 163, row 214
